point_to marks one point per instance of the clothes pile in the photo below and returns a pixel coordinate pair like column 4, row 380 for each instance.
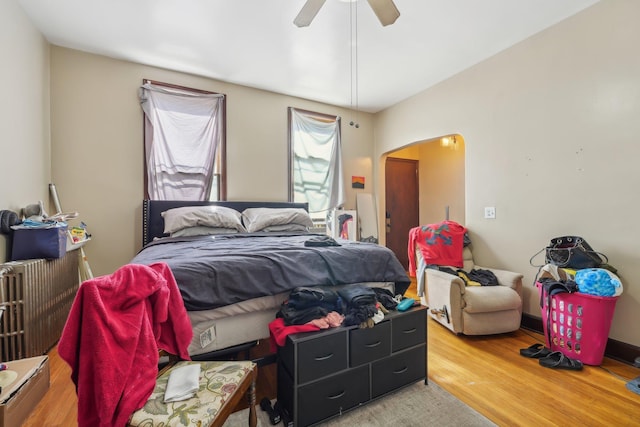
column 475, row 277
column 314, row 308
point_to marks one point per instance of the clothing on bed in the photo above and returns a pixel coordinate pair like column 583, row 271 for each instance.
column 111, row 339
column 215, row 271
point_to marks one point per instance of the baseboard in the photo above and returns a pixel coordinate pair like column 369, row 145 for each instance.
column 617, row 350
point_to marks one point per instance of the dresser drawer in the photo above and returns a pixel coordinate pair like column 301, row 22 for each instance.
column 398, row 370
column 332, row 395
column 409, row 329
column 321, row 356
column 367, row 345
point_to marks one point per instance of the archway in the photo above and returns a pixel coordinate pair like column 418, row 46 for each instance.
column 441, row 180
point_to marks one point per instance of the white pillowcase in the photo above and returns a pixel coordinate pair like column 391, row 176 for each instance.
column 203, row 231
column 201, row 216
column 259, row 219
column 286, row 227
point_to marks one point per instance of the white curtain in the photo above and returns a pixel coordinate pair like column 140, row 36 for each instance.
column 317, row 161
column 183, row 131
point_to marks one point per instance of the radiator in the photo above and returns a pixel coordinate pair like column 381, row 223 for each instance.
column 36, row 295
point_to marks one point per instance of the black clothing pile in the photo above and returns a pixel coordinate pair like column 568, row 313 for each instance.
column 360, row 302
column 385, row 297
column 357, row 303
column 475, row 277
column 320, row 241
column 309, row 303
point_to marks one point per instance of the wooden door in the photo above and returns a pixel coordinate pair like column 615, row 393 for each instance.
column 401, row 205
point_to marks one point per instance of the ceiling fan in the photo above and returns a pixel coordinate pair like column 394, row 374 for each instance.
column 385, row 10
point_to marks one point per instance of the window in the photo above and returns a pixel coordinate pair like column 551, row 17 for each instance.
column 315, row 164
column 184, row 142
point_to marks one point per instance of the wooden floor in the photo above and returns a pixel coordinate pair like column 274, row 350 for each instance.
column 486, row 372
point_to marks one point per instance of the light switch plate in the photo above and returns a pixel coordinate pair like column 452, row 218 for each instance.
column 490, row 212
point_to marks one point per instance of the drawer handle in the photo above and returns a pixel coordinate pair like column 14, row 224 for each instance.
column 321, row 358
column 375, row 344
column 409, row 331
column 401, row 370
column 336, row 396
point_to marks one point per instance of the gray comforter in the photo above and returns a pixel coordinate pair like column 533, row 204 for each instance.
column 214, row 271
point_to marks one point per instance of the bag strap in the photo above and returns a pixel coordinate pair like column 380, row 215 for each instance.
column 601, row 255
column 531, row 259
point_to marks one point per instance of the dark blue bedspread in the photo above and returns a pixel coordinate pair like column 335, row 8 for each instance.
column 214, row 271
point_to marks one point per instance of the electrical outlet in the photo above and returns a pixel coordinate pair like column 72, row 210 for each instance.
column 490, row 212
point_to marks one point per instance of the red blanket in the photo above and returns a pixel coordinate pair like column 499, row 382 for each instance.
column 111, row 339
column 441, row 244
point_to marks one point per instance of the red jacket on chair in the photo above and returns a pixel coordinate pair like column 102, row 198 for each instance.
column 111, row 339
column 441, row 244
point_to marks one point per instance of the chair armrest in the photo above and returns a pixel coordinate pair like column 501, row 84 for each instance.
column 507, row 278
column 445, row 290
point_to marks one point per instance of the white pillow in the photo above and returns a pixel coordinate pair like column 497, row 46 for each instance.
column 257, row 219
column 201, row 216
column 203, row 231
column 286, row 227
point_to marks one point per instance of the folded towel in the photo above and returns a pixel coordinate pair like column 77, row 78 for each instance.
column 183, row 383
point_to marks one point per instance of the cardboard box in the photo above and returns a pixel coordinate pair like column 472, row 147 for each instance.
column 21, row 396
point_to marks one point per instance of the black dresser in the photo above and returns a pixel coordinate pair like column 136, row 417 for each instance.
column 323, row 374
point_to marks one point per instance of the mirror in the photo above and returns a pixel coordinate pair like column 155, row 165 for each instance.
column 366, row 208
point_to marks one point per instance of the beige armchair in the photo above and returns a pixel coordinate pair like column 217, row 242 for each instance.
column 471, row 310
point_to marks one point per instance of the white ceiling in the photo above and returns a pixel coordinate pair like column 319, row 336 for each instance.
column 254, row 42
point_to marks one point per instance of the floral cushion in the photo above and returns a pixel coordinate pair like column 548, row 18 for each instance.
column 218, row 382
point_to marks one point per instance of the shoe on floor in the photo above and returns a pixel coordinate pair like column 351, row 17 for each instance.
column 535, row 351
column 557, row 360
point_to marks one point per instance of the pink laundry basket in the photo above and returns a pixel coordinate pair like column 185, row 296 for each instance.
column 577, row 324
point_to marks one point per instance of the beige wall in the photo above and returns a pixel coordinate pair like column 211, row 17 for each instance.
column 97, row 154
column 25, row 165
column 551, row 131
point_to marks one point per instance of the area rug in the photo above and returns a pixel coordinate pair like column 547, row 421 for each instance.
column 415, row 405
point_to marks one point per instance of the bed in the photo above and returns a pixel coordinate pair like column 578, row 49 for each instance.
column 234, row 277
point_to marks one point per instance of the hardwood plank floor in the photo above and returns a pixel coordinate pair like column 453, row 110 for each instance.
column 487, row 373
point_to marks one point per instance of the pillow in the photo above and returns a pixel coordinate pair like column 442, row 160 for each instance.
column 257, row 219
column 203, row 216
column 286, row 227
column 203, row 231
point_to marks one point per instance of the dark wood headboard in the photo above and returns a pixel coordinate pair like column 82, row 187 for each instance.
column 153, row 223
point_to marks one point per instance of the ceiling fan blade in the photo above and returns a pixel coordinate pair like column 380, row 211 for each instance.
column 308, row 12
column 385, row 10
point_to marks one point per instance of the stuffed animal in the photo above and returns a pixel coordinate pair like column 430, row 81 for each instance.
column 34, row 211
